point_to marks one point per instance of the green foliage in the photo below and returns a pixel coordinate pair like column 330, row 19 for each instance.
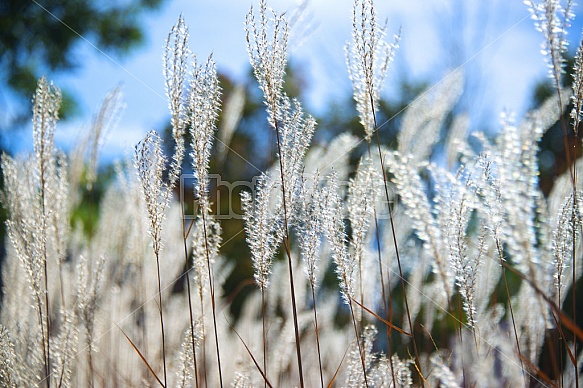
column 40, row 37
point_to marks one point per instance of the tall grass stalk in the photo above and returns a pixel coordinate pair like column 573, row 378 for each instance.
column 47, row 102
column 203, row 108
column 267, row 41
column 175, row 69
column 368, row 57
column 150, row 165
column 552, row 20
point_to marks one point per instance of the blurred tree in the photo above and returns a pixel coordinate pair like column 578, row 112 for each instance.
column 39, row 36
column 551, row 155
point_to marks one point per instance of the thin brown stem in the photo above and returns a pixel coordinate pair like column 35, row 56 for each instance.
column 396, row 245
column 501, row 258
column 264, row 329
column 289, row 259
column 360, row 349
column 42, row 331
column 90, row 362
column 160, row 308
column 187, row 264
column 386, row 302
column 574, row 286
column 317, row 335
column 570, row 159
column 48, row 321
column 204, row 367
column 45, row 267
column 212, row 290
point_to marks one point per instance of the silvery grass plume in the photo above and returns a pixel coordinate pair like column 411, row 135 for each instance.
column 203, row 112
column 206, row 238
column 175, row 71
column 267, row 47
column 577, row 94
column 89, row 281
column 84, row 157
column 65, row 349
column 512, row 192
column 185, row 374
column 336, row 235
column 9, row 364
column 363, row 194
column 381, row 371
column 423, row 120
column 310, row 227
column 150, row 163
column 515, row 211
column 36, row 199
column 565, row 236
column 354, row 370
column 50, row 169
column 424, row 218
column 263, row 226
column 104, row 122
column 296, row 131
column 267, row 40
column 442, row 374
column 552, row 20
column 368, row 56
column 175, row 67
column 464, row 263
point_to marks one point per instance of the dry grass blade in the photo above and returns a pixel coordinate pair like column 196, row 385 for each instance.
column 331, row 383
column 142, row 357
column 537, row 370
column 563, row 318
column 252, row 357
column 381, row 318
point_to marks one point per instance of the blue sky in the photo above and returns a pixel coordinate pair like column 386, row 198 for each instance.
column 495, row 40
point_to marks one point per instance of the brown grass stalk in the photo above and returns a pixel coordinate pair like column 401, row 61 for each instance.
column 212, row 291
column 289, row 258
column 396, row 245
column 185, row 235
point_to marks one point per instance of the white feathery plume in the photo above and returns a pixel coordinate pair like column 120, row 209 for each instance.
column 175, row 70
column 336, row 235
column 552, row 20
column 466, row 267
column 104, row 122
column 568, row 226
column 264, row 228
column 9, row 373
column 150, row 163
column 577, row 96
column 363, row 193
column 203, row 111
column 368, row 56
column 423, row 119
column 267, row 41
column 310, row 228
